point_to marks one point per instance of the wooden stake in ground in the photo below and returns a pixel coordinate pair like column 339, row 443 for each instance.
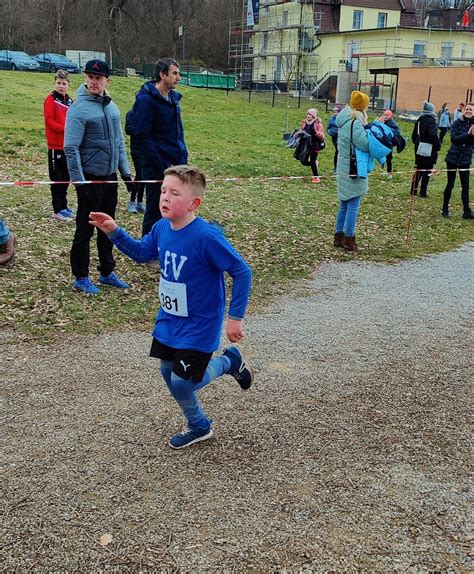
column 413, row 192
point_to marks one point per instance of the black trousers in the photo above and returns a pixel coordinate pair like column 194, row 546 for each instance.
column 464, row 177
column 389, row 159
column 57, row 167
column 442, row 133
column 139, row 188
column 334, row 143
column 313, row 156
column 153, row 192
column 422, row 178
column 93, row 197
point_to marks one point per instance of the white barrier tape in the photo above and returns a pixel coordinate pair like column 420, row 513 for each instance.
column 35, row 183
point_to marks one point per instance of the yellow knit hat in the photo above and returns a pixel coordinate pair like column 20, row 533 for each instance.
column 359, row 101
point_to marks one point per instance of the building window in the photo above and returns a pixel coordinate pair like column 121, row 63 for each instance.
column 357, row 19
column 265, row 42
column 463, row 51
column 446, row 52
column 382, row 20
column 419, row 52
column 285, row 18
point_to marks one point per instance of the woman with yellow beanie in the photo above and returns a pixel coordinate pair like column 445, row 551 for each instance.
column 351, row 123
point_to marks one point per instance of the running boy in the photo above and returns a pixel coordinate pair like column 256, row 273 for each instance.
column 193, row 257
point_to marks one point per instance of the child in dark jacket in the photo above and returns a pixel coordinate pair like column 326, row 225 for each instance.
column 332, row 130
column 136, row 204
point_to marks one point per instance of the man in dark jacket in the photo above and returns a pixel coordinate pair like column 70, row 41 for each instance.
column 159, row 133
column 459, row 157
column 425, row 131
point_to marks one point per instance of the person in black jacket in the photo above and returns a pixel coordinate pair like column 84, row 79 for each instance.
column 459, row 157
column 425, row 131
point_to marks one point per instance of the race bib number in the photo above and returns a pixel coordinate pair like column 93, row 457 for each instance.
column 173, row 298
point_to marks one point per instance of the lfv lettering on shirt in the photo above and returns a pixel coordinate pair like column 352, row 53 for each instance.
column 171, row 258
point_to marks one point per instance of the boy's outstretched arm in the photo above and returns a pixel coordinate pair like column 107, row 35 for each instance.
column 103, row 221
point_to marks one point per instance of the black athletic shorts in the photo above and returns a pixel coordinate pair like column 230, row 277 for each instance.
column 187, row 364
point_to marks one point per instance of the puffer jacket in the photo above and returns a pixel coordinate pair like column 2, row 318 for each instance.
column 428, row 134
column 93, row 138
column 349, row 187
column 159, row 132
column 460, row 151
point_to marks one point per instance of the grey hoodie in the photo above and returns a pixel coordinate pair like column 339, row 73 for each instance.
column 93, row 138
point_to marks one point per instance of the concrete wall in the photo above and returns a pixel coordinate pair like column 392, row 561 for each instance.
column 447, row 85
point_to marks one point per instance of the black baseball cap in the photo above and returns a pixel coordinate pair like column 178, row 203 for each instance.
column 97, row 67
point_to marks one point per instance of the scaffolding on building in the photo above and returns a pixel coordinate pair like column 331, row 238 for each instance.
column 287, row 65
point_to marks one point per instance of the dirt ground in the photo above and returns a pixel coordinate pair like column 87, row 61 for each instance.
column 351, row 453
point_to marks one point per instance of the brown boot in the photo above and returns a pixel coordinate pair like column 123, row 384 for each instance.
column 350, row 244
column 7, row 250
column 338, row 238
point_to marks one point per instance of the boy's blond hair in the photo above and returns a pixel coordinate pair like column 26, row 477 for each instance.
column 190, row 175
column 63, row 75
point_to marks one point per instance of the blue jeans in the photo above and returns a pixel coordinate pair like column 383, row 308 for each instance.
column 185, row 392
column 4, row 231
column 346, row 220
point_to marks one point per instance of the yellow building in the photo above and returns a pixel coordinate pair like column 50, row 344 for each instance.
column 326, row 48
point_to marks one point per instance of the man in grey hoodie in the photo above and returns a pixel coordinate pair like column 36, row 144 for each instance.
column 95, row 150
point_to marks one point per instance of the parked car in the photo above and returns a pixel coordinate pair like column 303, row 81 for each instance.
column 52, row 62
column 13, row 60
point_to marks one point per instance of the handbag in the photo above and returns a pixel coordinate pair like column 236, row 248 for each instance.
column 352, row 156
column 424, row 149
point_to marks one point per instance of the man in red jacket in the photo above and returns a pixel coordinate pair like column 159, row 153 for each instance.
column 56, row 105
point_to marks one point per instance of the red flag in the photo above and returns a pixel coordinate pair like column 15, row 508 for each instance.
column 466, row 19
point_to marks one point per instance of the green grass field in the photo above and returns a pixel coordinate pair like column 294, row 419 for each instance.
column 283, row 227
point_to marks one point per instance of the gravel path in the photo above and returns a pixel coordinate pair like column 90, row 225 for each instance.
column 351, row 452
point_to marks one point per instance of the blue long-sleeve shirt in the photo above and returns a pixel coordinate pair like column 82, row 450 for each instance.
column 193, row 261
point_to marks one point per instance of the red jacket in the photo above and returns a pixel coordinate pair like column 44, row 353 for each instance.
column 56, row 107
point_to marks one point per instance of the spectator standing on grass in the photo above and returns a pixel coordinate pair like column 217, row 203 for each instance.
column 458, row 112
column 459, row 157
column 56, row 106
column 193, row 256
column 425, row 131
column 399, row 140
column 314, row 127
column 332, row 131
column 135, row 205
column 351, row 123
column 95, row 149
column 444, row 122
column 159, row 133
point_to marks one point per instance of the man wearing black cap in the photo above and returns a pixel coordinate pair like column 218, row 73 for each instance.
column 95, row 149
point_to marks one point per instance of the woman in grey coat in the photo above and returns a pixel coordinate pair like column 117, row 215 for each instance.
column 350, row 189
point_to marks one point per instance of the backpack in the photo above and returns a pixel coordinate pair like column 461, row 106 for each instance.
column 129, row 123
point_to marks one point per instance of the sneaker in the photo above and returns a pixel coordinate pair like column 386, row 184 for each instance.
column 62, row 216
column 70, row 213
column 315, row 180
column 113, row 280
column 189, row 437
column 445, row 213
column 334, row 171
column 468, row 215
column 239, row 368
column 132, row 207
column 389, row 176
column 85, row 285
column 141, row 207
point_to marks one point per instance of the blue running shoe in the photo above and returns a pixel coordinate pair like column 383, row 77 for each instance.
column 113, row 280
column 239, row 368
column 70, row 213
column 85, row 285
column 141, row 207
column 62, row 215
column 189, row 437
